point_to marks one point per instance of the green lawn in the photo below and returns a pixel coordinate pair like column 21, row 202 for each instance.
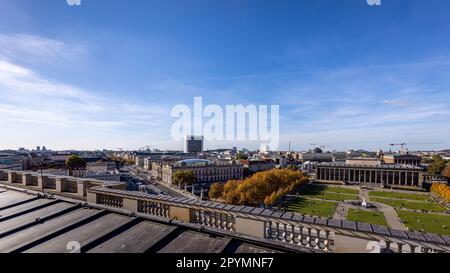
column 341, row 190
column 312, row 207
column 329, row 193
column 399, row 195
column 399, row 204
column 332, row 196
column 370, row 217
column 431, row 223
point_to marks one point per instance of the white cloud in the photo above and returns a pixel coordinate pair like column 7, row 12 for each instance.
column 63, row 115
column 36, row 49
column 20, row 79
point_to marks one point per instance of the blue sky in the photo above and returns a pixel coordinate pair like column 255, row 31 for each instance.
column 106, row 74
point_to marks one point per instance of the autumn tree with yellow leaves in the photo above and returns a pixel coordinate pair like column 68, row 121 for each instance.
column 263, row 188
column 441, row 190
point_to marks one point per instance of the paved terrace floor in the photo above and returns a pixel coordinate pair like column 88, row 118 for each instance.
column 39, row 225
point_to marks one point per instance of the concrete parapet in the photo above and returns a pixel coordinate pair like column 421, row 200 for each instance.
column 14, row 177
column 3, row 175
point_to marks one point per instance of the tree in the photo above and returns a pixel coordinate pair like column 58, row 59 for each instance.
column 446, row 172
column 230, row 194
column 241, row 156
column 437, row 166
column 184, row 177
column 442, row 190
column 74, row 162
column 264, row 187
column 216, row 191
column 292, row 167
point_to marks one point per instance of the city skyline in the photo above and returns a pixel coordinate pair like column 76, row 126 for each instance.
column 360, row 77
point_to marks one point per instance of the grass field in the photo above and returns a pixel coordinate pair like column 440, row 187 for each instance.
column 341, row 190
column 370, row 217
column 399, row 195
column 431, row 223
column 332, row 196
column 399, row 204
column 312, row 207
column 329, row 193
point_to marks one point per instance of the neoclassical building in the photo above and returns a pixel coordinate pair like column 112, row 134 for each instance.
column 377, row 175
column 402, row 159
column 206, row 171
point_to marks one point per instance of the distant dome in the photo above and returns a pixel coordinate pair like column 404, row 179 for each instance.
column 318, row 151
column 195, row 161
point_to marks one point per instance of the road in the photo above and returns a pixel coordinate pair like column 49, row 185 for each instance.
column 154, row 185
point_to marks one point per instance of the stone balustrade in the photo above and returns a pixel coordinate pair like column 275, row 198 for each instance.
column 328, row 235
column 52, row 183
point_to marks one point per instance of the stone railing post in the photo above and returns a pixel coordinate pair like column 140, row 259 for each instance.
column 81, row 188
column 349, row 244
column 42, row 181
column 10, row 177
column 181, row 214
column 26, row 179
column 131, row 204
column 91, row 198
column 61, row 184
column 252, row 227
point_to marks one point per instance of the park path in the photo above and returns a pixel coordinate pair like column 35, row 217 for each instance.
column 391, row 216
column 389, row 212
column 341, row 211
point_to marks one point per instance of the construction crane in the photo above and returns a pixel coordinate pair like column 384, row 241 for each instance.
column 404, row 148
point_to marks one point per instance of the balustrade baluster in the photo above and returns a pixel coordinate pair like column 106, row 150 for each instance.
column 292, row 238
column 308, row 239
column 400, row 247
column 326, row 242
column 285, row 233
column 300, row 236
